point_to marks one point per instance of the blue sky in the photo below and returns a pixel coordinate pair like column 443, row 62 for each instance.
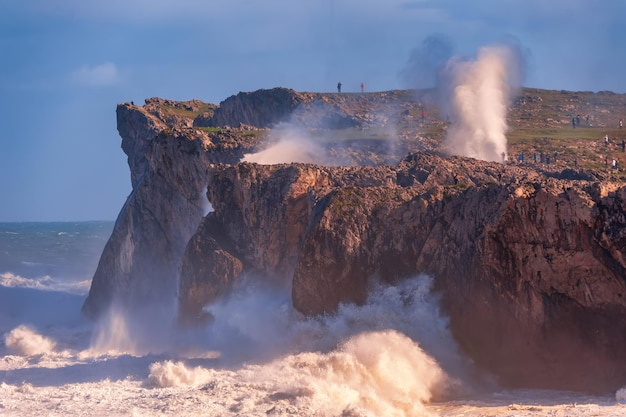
column 65, row 64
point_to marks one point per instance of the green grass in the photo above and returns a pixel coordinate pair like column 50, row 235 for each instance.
column 340, row 135
column 563, row 134
column 584, row 145
column 248, row 133
column 210, row 129
column 184, row 112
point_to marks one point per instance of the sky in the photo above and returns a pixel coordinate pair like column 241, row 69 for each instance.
column 66, row 64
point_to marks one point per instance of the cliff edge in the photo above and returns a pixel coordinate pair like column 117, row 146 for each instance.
column 529, row 259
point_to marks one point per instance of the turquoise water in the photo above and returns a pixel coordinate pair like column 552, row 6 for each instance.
column 62, row 251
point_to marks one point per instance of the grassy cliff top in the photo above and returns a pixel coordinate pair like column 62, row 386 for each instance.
column 539, row 121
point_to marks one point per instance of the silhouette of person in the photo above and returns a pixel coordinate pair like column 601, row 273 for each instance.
column 362, row 87
column 339, row 87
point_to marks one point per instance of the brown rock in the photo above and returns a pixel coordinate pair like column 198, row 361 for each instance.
column 530, row 268
column 529, row 263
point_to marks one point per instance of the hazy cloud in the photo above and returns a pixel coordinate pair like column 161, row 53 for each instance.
column 426, row 62
column 97, row 76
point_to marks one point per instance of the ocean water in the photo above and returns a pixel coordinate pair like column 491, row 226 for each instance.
column 392, row 356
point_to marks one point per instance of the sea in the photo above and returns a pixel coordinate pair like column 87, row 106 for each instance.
column 392, row 356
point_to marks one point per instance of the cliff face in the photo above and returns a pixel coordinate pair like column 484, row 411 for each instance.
column 530, row 268
column 260, row 108
column 530, row 263
column 168, row 161
column 170, row 145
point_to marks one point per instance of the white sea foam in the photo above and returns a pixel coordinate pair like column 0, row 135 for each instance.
column 25, row 341
column 372, row 373
column 392, row 356
column 176, row 374
column 45, row 283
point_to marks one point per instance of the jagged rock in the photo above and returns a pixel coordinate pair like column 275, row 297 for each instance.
column 262, row 108
column 137, row 128
column 529, row 263
column 520, row 259
column 139, row 264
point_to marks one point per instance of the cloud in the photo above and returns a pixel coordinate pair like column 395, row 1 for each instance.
column 96, row 76
column 138, row 11
column 427, row 61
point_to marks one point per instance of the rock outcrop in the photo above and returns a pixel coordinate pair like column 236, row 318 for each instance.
column 170, row 145
column 531, row 269
column 529, row 262
column 139, row 264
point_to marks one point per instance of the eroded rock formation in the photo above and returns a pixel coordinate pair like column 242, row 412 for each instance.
column 139, row 264
column 530, row 263
column 531, row 269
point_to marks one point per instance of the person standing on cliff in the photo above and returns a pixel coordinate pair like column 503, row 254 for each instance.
column 362, row 87
column 339, row 87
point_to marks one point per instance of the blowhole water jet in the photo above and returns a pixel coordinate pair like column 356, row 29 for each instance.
column 477, row 94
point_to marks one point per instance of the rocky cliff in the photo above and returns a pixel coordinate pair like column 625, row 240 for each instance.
column 531, row 268
column 529, row 261
column 168, row 161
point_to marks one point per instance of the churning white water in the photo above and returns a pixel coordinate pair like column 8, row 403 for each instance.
column 391, row 357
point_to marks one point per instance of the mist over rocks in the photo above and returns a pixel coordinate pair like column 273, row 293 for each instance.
column 530, row 268
column 529, row 261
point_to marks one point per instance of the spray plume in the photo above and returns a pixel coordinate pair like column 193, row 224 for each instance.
column 293, row 145
column 26, row 342
column 477, row 95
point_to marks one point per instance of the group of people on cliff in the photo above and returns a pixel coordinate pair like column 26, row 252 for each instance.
column 339, row 87
column 541, row 158
column 576, row 120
